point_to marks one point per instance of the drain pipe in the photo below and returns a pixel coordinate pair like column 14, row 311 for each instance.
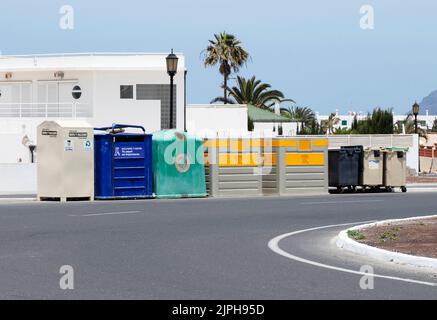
column 32, row 149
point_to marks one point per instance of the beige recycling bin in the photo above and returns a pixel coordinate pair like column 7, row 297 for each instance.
column 395, row 168
column 65, row 169
column 373, row 168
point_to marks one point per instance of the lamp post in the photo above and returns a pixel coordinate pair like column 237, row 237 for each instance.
column 416, row 109
column 172, row 67
column 415, row 113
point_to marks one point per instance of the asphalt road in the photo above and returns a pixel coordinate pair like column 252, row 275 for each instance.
column 200, row 248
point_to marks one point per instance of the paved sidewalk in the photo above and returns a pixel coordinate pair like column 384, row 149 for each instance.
column 422, row 186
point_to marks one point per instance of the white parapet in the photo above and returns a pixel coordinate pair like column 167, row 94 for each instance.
column 18, row 178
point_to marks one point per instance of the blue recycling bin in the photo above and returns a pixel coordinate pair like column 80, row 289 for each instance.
column 122, row 163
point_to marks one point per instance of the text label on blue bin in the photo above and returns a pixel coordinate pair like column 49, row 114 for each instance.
column 128, row 150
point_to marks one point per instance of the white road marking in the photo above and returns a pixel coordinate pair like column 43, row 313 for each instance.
column 106, row 214
column 274, row 246
column 337, row 202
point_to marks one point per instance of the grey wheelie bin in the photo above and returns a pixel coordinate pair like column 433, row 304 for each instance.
column 395, row 168
column 373, row 169
column 345, row 167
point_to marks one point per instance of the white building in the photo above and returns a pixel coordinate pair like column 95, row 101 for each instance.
column 345, row 120
column 211, row 119
column 231, row 120
column 102, row 88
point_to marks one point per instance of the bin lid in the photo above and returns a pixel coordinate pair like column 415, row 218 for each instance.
column 68, row 123
column 118, row 129
column 173, row 134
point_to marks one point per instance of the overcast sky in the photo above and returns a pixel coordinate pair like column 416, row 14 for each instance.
column 314, row 51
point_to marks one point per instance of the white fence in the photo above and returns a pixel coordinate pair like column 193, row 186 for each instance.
column 373, row 140
column 45, row 110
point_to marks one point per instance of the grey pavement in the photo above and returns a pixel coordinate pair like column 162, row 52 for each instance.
column 199, row 248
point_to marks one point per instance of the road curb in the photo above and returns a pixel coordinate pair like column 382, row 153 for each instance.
column 17, row 199
column 346, row 243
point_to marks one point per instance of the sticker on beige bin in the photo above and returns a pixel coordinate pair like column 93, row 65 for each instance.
column 374, row 164
column 87, row 145
column 182, row 162
column 68, row 145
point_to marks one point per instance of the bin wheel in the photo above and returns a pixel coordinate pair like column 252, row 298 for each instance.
column 389, row 189
column 351, row 189
column 404, row 189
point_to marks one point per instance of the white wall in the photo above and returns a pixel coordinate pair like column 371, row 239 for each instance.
column 12, row 132
column 288, row 128
column 413, row 154
column 216, row 119
column 18, row 179
column 109, row 108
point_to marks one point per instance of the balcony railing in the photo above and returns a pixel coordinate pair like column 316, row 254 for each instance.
column 45, row 110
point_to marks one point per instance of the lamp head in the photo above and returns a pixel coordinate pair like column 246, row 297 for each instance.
column 172, row 63
column 416, row 108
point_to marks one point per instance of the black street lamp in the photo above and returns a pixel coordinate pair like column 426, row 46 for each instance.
column 172, row 67
column 416, row 109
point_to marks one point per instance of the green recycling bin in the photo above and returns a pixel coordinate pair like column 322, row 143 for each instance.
column 178, row 165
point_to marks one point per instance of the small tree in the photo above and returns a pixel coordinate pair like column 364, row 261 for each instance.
column 354, row 126
column 378, row 122
column 409, row 126
column 381, row 121
column 434, row 126
column 330, row 124
column 342, row 131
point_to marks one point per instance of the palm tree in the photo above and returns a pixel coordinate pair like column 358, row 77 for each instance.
column 409, row 126
column 253, row 92
column 225, row 50
column 303, row 115
column 330, row 124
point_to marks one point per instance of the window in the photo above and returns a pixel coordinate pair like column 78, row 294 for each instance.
column 76, row 92
column 127, row 92
column 344, row 122
column 15, row 98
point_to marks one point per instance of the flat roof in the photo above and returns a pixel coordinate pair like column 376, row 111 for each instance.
column 88, row 61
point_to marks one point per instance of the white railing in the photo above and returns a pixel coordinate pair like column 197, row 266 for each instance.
column 45, row 110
